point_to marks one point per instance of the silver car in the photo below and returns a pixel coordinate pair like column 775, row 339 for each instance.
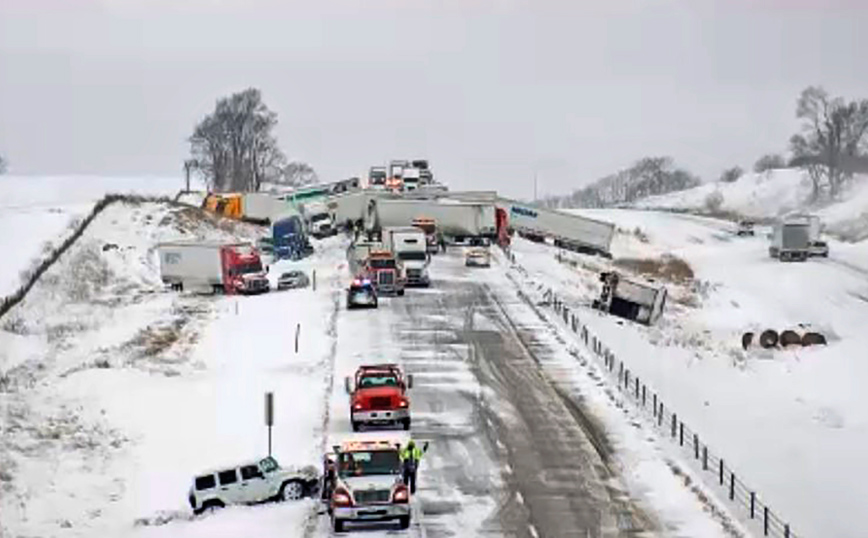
column 293, row 279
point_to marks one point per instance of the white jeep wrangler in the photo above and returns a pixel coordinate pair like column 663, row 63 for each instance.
column 250, row 483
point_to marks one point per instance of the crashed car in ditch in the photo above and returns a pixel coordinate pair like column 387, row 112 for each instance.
column 361, row 294
column 363, row 482
column 252, row 482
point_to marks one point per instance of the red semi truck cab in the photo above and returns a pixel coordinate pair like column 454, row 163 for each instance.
column 383, row 270
column 219, row 267
column 378, row 396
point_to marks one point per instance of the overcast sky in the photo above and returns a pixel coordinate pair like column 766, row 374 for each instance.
column 486, row 89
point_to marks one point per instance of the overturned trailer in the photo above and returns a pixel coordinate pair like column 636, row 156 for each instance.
column 628, row 299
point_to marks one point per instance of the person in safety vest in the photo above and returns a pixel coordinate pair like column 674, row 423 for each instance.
column 410, row 457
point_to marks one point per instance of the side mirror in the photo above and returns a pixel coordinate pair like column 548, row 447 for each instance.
column 409, row 381
column 348, row 385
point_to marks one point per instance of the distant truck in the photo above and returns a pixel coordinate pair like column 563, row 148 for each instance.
column 631, row 300
column 289, row 240
column 411, row 179
column 409, row 246
column 816, row 246
column 319, row 218
column 385, row 272
column 378, row 396
column 429, row 226
column 230, row 268
column 571, row 232
column 791, row 239
column 261, row 207
column 377, row 177
column 458, row 220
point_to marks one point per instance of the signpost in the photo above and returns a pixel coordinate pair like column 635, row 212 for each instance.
column 269, row 416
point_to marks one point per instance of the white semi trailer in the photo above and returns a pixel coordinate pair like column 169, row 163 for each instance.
column 571, row 232
column 791, row 239
column 636, row 301
column 408, row 245
column 455, row 219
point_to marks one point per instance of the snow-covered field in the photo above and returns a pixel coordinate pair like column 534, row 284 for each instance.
column 114, row 392
column 35, row 211
column 791, row 422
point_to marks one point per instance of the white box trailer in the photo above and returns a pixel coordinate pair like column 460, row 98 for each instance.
column 452, row 219
column 213, row 266
column 261, row 207
column 568, row 231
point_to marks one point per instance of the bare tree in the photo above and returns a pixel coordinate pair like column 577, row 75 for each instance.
column 769, row 161
column 234, row 145
column 833, row 134
column 2, row 165
column 731, row 175
column 298, row 174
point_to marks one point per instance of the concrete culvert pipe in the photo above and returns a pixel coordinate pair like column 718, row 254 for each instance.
column 769, row 338
column 790, row 338
column 813, row 339
column 746, row 340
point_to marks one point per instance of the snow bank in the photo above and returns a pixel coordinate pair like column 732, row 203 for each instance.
column 39, row 209
column 787, row 421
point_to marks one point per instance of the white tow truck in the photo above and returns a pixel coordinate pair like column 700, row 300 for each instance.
column 362, row 482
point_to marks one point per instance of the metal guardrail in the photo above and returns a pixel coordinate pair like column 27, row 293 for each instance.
column 667, row 421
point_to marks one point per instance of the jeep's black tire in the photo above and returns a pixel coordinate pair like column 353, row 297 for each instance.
column 338, row 525
column 356, row 426
column 405, row 424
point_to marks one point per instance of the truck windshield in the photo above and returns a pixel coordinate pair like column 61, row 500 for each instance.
column 249, row 267
column 413, row 256
column 321, row 216
column 367, row 463
column 382, row 263
column 378, row 381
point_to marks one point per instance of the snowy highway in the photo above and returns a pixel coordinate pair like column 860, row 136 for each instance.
column 508, row 455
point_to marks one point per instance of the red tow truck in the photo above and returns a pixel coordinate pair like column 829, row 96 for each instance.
column 378, row 396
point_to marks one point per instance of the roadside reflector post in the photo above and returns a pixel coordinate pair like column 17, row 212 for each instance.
column 297, row 333
column 269, row 416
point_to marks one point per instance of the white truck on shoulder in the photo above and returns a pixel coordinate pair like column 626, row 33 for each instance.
column 320, row 220
column 217, row 267
column 409, row 246
column 791, row 239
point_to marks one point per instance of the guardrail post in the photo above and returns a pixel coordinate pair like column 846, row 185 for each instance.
column 674, row 423
column 752, row 504
column 627, row 379
column 695, row 446
column 660, row 415
column 765, row 521
column 731, row 486
column 705, row 458
column 786, row 531
column 654, row 398
column 643, row 396
column 721, row 471
column 681, row 434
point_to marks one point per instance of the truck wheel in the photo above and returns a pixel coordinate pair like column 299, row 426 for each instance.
column 356, row 426
column 338, row 525
column 401, row 292
column 405, row 424
column 768, row 339
column 404, row 522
